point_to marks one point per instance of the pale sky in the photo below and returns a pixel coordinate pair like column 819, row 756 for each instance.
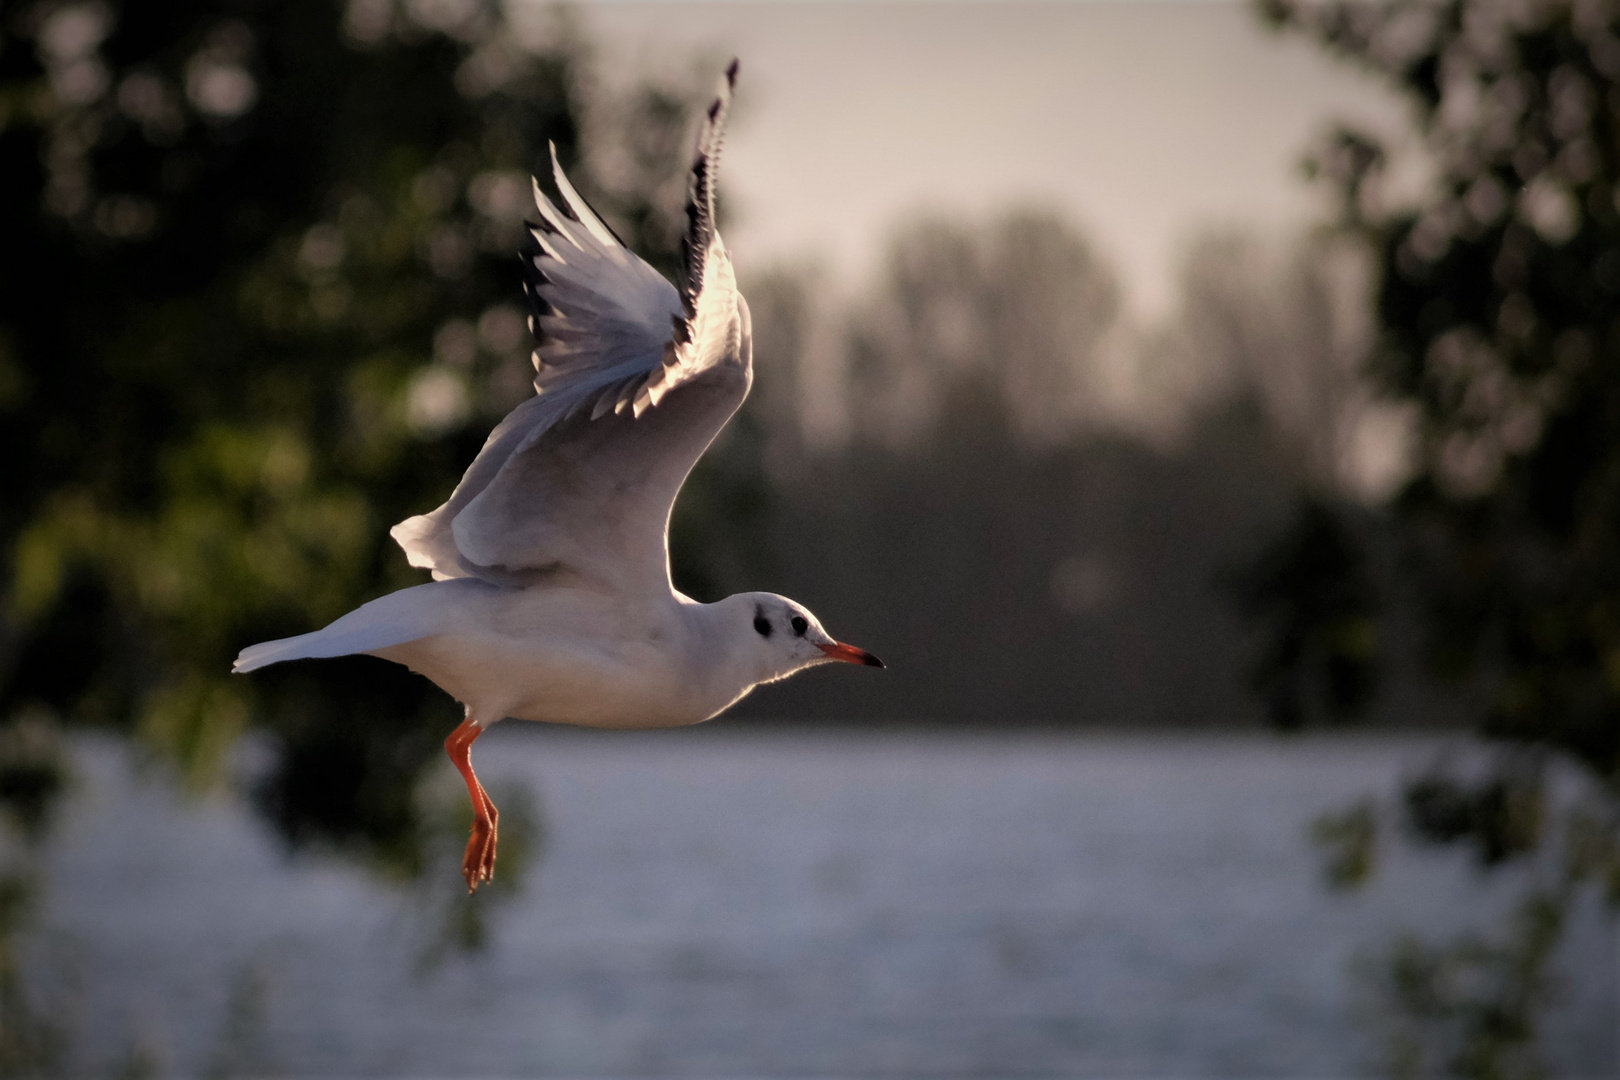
column 1143, row 122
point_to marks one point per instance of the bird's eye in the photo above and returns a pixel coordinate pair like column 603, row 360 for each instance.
column 799, row 625
column 763, row 625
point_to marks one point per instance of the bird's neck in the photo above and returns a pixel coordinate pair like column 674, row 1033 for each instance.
column 729, row 667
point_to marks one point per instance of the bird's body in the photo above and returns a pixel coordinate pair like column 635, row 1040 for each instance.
column 558, row 653
column 572, row 656
column 552, row 599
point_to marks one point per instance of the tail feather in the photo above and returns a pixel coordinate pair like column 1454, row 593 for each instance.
column 317, row 645
column 269, row 652
column 388, row 620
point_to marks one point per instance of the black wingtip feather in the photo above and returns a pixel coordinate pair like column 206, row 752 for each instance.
column 700, row 194
column 694, row 244
column 534, row 278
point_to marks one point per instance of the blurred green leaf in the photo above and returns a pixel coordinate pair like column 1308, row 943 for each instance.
column 1471, row 1008
column 1348, row 841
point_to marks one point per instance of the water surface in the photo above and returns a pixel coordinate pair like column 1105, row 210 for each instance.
column 735, row 903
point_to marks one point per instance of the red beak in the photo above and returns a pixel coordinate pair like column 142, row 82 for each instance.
column 849, row 654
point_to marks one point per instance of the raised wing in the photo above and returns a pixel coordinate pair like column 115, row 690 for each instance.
column 634, row 379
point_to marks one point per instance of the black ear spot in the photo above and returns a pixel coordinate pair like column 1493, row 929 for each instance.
column 761, row 624
column 799, row 625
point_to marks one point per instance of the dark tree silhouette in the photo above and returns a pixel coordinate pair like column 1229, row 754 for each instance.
column 1498, row 325
column 259, row 299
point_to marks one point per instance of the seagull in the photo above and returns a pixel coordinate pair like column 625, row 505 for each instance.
column 551, row 598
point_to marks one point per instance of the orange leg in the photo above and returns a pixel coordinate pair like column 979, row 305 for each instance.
column 478, row 865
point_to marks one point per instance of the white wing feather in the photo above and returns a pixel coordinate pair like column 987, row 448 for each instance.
column 633, row 380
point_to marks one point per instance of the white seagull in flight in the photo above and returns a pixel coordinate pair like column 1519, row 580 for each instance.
column 551, row 597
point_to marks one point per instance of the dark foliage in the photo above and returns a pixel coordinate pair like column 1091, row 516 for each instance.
column 260, row 299
column 1498, row 326
column 1312, row 586
column 1498, row 322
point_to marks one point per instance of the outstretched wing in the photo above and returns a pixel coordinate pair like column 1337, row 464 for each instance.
column 634, row 380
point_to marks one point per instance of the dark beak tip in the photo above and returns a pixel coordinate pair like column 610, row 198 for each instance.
column 872, row 661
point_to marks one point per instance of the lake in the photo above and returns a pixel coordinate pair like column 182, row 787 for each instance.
column 734, row 902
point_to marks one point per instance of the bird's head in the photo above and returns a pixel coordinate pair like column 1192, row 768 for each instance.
column 780, row 636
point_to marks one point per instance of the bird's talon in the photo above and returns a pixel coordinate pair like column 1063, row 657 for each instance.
column 478, row 864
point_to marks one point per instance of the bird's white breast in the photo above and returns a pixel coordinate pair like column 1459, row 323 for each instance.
column 568, row 656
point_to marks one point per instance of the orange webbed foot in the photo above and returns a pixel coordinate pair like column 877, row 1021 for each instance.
column 478, row 864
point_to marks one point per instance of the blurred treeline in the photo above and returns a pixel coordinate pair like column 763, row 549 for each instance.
column 1034, row 509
